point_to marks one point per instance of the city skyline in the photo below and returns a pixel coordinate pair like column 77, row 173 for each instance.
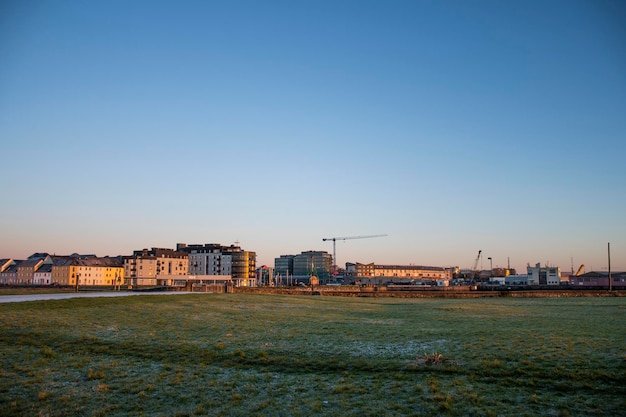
column 482, row 261
column 452, row 127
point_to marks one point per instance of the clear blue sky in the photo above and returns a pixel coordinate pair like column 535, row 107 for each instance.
column 450, row 126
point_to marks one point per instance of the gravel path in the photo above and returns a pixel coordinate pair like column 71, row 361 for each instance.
column 63, row 296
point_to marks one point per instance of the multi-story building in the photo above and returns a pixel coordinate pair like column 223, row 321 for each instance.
column 156, row 266
column 44, row 269
column 207, row 259
column 63, row 271
column 214, row 259
column 548, row 275
column 244, row 266
column 43, row 275
column 360, row 270
column 8, row 271
column 313, row 263
column 98, row 272
column 26, row 269
column 397, row 273
column 412, row 272
column 283, row 266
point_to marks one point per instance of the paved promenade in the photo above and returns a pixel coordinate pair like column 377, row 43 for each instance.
column 63, row 296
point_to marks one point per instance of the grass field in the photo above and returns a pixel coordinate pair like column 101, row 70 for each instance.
column 33, row 290
column 246, row 355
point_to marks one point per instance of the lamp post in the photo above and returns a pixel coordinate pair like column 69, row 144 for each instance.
column 490, row 263
column 77, row 279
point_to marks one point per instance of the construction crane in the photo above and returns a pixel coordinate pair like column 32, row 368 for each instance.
column 335, row 239
column 474, row 270
column 580, row 269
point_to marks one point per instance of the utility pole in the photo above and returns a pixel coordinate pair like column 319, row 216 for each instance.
column 609, row 254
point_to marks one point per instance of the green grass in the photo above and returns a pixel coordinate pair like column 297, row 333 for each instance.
column 33, row 290
column 244, row 355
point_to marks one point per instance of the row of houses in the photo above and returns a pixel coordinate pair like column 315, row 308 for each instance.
column 208, row 263
column 72, row 270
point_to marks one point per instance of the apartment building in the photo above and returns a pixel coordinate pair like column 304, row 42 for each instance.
column 243, row 266
column 214, row 259
column 359, row 270
column 207, row 259
column 412, row 272
column 156, row 266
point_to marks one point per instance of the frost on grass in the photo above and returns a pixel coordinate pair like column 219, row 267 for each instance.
column 409, row 349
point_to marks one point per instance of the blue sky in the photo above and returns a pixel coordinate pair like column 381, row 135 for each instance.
column 450, row 126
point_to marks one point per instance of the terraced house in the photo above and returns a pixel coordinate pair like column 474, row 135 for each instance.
column 44, row 269
column 97, row 272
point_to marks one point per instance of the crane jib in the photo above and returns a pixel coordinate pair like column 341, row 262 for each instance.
column 335, row 239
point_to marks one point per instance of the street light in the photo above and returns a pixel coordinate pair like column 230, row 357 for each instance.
column 490, row 263
column 77, row 279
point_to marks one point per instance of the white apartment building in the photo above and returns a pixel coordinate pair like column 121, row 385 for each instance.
column 210, row 263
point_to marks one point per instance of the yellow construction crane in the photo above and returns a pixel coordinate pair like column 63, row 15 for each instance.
column 580, row 269
column 335, row 239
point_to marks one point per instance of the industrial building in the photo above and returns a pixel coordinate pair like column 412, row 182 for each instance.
column 598, row 279
column 547, row 275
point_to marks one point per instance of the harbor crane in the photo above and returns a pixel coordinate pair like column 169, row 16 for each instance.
column 335, row 239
